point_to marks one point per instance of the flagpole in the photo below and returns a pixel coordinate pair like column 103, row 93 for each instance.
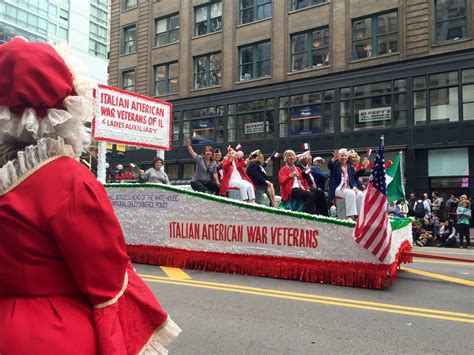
column 402, row 173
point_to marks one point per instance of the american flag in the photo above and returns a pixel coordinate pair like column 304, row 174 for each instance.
column 373, row 230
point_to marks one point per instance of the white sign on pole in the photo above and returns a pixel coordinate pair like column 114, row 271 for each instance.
column 375, row 114
column 133, row 119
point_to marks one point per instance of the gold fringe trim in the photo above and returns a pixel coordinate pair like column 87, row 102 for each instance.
column 116, row 298
column 29, row 173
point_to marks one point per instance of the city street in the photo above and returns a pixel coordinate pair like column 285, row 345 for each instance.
column 429, row 309
column 302, row 139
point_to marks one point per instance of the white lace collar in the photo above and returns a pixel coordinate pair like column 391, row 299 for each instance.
column 30, row 160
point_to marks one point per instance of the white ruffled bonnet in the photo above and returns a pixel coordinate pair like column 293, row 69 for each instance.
column 26, row 116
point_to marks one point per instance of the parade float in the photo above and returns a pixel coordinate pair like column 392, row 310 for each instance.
column 170, row 226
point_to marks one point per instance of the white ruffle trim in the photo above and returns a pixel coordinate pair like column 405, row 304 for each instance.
column 46, row 148
column 67, row 124
column 161, row 338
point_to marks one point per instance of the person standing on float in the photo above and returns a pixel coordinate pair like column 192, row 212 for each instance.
column 66, row 283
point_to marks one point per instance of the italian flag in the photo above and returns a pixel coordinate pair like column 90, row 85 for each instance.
column 394, row 180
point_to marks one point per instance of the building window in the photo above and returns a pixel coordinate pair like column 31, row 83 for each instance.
column 103, row 3
column 53, row 11
column 468, row 94
column 167, row 30
column 448, row 162
column 373, row 106
column 172, row 171
column 375, row 35
column 419, row 100
column 450, row 20
column 310, row 49
column 99, row 15
column 129, row 39
column 208, row 18
column 52, row 29
column 63, row 33
column 444, row 103
column 98, row 49
column 255, row 61
column 306, row 114
column 252, row 120
column 301, row 4
column 207, row 71
column 436, row 98
column 188, row 170
column 129, row 4
column 254, row 10
column 128, row 80
column 97, row 32
column 204, row 125
column 63, row 15
column 166, row 79
column 176, row 120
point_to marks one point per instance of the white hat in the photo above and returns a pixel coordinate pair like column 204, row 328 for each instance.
column 318, row 158
column 343, row 151
column 304, row 154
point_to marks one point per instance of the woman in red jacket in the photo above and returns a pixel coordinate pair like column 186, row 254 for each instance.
column 294, row 187
column 235, row 176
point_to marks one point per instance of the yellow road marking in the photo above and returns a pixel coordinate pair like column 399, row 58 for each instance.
column 175, row 273
column 439, row 276
column 322, row 299
column 312, row 300
column 417, row 260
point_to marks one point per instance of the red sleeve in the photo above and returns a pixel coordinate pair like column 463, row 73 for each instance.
column 126, row 313
column 226, row 164
column 284, row 175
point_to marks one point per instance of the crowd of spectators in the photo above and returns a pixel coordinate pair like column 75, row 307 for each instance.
column 429, row 230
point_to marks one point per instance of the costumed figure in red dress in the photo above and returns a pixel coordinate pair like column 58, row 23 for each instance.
column 66, row 284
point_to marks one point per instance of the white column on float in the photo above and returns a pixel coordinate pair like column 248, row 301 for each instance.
column 101, row 161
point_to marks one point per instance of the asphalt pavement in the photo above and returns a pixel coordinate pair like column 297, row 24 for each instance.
column 428, row 310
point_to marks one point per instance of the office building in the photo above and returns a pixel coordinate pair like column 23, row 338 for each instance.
column 273, row 75
column 83, row 25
